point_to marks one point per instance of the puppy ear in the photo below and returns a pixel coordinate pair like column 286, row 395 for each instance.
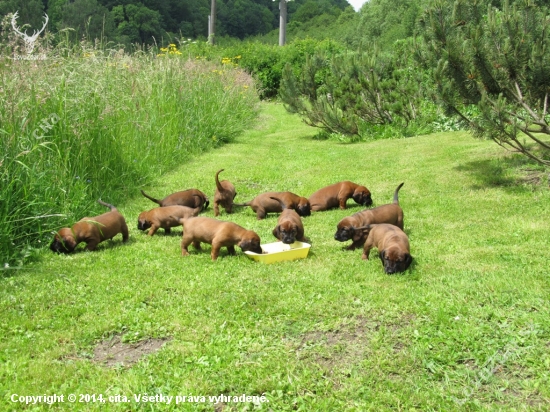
column 356, row 234
column 382, row 254
column 277, row 232
column 408, row 259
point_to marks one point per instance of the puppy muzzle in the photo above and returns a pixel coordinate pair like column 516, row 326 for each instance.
column 304, row 211
column 58, row 247
column 288, row 240
column 143, row 225
column 342, row 236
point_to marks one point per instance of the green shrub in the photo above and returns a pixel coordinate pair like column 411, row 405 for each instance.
column 263, row 61
column 352, row 92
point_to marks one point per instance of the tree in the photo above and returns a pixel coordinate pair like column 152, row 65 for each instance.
column 88, row 18
column 30, row 17
column 55, row 12
column 137, row 23
column 310, row 9
column 498, row 60
column 242, row 18
column 30, row 12
column 386, row 21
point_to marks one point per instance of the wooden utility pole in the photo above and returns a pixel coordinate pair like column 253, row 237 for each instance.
column 212, row 22
column 282, row 22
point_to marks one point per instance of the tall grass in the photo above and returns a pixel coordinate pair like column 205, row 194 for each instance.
column 74, row 129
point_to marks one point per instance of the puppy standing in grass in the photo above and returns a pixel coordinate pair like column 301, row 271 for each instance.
column 289, row 225
column 225, row 193
column 347, row 227
column 92, row 230
column 392, row 244
column 165, row 217
column 219, row 234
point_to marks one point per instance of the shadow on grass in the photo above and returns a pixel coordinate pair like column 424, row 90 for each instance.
column 514, row 174
column 161, row 233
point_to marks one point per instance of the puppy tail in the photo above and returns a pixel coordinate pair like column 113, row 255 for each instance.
column 106, row 204
column 151, row 198
column 218, row 185
column 395, row 195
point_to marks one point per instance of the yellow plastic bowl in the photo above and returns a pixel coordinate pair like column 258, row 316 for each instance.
column 279, row 251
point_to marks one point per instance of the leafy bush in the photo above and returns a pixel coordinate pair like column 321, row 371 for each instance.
column 350, row 93
column 265, row 62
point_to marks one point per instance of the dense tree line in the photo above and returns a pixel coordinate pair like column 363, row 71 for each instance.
column 147, row 21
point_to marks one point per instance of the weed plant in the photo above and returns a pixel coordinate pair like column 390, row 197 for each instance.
column 95, row 124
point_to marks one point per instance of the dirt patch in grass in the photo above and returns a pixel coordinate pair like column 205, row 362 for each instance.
column 113, row 352
column 337, row 349
column 533, row 177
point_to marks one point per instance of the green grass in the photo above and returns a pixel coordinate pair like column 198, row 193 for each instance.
column 466, row 328
column 119, row 122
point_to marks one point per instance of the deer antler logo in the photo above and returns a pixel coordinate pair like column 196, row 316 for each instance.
column 29, row 40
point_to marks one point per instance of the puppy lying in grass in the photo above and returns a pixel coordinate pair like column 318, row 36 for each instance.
column 264, row 204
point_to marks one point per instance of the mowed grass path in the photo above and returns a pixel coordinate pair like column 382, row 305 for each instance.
column 466, row 328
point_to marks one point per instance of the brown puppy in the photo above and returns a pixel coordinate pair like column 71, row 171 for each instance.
column 336, row 195
column 289, row 225
column 264, row 204
column 165, row 217
column 191, row 198
column 347, row 227
column 219, row 234
column 92, row 230
column 392, row 244
column 225, row 193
